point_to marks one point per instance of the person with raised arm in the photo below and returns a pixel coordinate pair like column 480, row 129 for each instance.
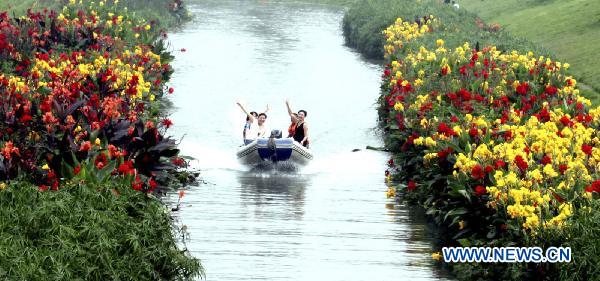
column 301, row 129
column 251, row 131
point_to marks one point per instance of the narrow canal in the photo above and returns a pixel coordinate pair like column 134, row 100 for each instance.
column 328, row 221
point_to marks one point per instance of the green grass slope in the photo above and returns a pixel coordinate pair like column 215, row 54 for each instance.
column 568, row 28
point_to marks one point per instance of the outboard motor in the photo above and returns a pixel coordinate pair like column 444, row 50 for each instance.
column 275, row 134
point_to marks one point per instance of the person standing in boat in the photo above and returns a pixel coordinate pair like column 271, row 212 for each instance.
column 301, row 131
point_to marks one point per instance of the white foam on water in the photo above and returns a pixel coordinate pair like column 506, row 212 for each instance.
column 209, row 158
column 347, row 162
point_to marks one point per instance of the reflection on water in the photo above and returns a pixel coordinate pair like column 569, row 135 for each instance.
column 260, row 188
column 327, row 221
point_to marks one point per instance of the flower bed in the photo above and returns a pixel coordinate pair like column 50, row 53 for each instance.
column 83, row 148
column 497, row 145
column 81, row 86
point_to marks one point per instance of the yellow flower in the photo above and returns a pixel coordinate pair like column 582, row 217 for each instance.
column 398, row 106
column 391, row 192
column 429, row 142
column 2, row 186
column 45, row 167
column 97, row 142
column 439, row 42
column 147, row 27
column 436, row 256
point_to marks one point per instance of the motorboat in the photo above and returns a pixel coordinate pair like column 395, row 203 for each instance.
column 274, row 149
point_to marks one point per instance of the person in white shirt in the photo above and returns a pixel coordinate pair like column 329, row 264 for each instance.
column 251, row 129
column 263, row 131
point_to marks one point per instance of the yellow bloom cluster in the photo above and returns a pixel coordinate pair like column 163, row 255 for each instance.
column 121, row 72
column 403, row 31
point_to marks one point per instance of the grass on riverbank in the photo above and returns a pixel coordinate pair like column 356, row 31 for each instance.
column 365, row 20
column 88, row 232
column 570, row 29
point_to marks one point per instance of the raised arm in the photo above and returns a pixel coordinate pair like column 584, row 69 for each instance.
column 267, row 109
column 250, row 117
column 290, row 112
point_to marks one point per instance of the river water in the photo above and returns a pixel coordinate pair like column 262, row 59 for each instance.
column 327, row 221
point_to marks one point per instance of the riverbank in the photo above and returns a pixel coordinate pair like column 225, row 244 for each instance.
column 84, row 147
column 499, row 146
column 570, row 29
column 365, row 20
column 164, row 13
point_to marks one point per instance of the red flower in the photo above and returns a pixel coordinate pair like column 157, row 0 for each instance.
column 444, row 70
column 546, row 160
column 473, row 132
column 411, row 186
column 100, row 161
column 126, row 168
column 171, row 90
column 43, row 187
column 480, row 190
column 77, row 169
column 587, row 149
column 477, row 172
column 178, row 161
column 562, row 168
column 499, row 164
column 523, row 88
column 521, row 163
column 444, row 153
column 9, row 149
column 167, row 123
column 550, row 90
column 594, row 187
column 387, row 72
column 565, row 120
column 391, row 162
column 445, row 130
column 137, row 184
column 152, row 183
column 85, row 146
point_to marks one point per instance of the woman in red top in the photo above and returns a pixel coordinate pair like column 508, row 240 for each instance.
column 300, row 129
column 292, row 128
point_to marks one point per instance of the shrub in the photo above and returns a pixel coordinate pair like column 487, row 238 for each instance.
column 88, row 232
